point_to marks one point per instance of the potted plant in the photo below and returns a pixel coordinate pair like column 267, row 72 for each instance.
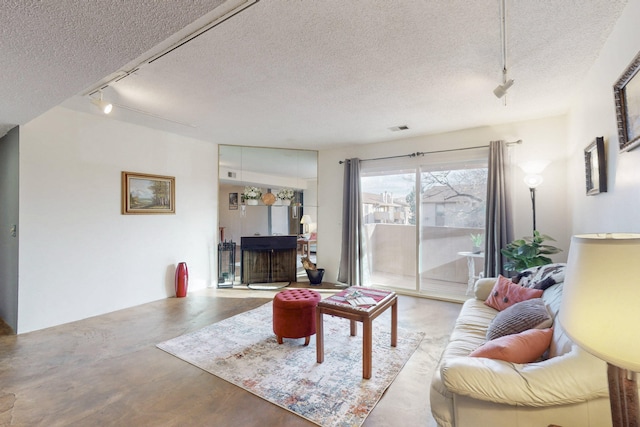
column 528, row 252
column 476, row 239
column 251, row 195
column 285, row 196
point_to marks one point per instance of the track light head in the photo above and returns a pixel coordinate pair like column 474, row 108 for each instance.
column 501, row 90
column 104, row 106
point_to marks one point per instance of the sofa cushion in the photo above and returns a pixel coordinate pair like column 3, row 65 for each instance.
column 483, row 286
column 529, row 314
column 541, row 277
column 561, row 342
column 524, row 347
column 470, row 330
column 505, row 293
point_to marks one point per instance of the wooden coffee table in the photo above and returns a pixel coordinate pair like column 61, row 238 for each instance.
column 338, row 305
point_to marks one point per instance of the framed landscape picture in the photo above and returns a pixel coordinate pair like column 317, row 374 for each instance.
column 626, row 93
column 148, row 194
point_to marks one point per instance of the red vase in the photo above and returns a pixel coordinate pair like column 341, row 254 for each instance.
column 182, row 280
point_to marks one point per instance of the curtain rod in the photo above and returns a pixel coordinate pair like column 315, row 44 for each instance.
column 422, row 153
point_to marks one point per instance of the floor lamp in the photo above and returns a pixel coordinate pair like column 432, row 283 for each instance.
column 600, row 312
column 532, row 181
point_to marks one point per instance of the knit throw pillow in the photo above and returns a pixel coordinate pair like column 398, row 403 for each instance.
column 529, row 314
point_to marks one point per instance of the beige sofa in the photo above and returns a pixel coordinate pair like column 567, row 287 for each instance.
column 569, row 388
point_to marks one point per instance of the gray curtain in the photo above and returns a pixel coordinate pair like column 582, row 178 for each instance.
column 499, row 227
column 350, row 271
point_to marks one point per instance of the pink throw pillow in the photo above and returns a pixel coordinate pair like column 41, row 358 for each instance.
column 505, row 293
column 525, row 347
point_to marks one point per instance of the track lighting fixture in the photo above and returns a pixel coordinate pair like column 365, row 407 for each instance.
column 104, row 106
column 501, row 90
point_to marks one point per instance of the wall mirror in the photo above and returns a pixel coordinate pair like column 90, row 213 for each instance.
column 271, row 170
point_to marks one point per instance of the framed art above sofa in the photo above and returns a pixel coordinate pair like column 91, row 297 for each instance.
column 595, row 163
column 626, row 93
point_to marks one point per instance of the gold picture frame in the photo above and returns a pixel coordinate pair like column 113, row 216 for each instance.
column 626, row 93
column 146, row 194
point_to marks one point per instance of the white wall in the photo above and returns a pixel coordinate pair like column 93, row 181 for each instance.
column 543, row 139
column 593, row 115
column 78, row 255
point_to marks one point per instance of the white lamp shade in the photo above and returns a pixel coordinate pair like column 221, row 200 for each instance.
column 533, row 181
column 601, row 297
column 534, row 167
column 306, row 219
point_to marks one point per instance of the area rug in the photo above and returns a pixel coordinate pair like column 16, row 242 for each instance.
column 244, row 351
column 268, row 286
column 290, row 285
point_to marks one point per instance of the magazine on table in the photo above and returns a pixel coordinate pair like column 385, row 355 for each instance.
column 358, row 301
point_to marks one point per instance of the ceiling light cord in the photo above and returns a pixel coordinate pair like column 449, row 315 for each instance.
column 503, row 36
column 501, row 90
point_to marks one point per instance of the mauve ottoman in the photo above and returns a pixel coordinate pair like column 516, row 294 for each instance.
column 294, row 314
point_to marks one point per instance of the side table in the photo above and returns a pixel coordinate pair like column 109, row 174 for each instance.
column 338, row 305
column 471, row 265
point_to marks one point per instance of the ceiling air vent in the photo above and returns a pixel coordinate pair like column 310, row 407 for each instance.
column 399, row 128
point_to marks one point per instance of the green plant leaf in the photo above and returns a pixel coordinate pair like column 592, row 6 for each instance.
column 528, row 252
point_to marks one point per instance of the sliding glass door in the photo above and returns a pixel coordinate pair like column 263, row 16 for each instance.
column 419, row 222
column 388, row 206
column 452, row 211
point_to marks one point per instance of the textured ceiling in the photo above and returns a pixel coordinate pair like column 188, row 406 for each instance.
column 54, row 49
column 300, row 73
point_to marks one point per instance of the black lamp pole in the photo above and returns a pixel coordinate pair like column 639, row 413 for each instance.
column 532, row 190
column 532, row 181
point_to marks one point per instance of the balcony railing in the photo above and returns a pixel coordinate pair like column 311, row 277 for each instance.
column 391, row 251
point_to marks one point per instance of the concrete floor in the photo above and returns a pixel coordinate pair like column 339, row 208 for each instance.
column 5, row 329
column 106, row 370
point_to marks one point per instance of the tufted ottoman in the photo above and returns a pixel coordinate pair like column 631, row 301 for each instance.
column 294, row 314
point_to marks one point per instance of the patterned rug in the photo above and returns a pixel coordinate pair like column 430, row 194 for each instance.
column 244, row 351
column 268, row 286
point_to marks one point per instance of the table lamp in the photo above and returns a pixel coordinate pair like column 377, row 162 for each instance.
column 306, row 220
column 601, row 312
